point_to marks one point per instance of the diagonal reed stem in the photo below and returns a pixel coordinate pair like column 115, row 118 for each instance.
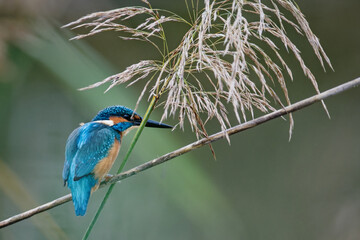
column 236, row 129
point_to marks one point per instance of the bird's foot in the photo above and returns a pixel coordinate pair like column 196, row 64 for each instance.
column 107, row 177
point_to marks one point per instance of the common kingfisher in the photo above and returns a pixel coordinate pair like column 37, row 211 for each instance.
column 92, row 148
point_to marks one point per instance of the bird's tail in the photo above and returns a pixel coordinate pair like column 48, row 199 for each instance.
column 81, row 190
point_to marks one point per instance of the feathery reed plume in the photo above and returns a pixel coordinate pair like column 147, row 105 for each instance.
column 230, row 56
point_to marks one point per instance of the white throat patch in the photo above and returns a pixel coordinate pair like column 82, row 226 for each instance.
column 106, row 122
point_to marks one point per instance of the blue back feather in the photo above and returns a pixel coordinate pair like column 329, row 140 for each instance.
column 70, row 151
column 93, row 143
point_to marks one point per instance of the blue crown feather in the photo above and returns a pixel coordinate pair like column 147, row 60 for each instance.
column 114, row 111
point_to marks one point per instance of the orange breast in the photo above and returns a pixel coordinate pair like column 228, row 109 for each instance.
column 104, row 166
column 117, row 120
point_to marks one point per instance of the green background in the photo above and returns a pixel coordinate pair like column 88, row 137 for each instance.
column 260, row 187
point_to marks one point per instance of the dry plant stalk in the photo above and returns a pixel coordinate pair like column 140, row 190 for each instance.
column 229, row 57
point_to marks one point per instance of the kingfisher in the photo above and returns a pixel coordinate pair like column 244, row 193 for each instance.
column 92, row 148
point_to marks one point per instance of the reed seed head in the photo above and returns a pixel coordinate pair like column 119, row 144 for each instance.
column 231, row 57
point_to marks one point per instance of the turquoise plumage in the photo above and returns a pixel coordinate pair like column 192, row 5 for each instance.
column 86, row 146
column 92, row 148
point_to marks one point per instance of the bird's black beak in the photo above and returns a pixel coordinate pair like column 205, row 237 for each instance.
column 151, row 123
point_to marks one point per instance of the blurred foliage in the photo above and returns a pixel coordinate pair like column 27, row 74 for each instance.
column 261, row 187
column 13, row 188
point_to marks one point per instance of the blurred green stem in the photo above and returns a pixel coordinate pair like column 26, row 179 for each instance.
column 132, row 145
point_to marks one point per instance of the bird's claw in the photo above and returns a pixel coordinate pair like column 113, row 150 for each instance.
column 108, row 177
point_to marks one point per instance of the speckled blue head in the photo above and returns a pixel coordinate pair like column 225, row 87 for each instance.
column 124, row 118
column 115, row 111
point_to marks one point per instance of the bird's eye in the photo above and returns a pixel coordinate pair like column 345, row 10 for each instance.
column 127, row 117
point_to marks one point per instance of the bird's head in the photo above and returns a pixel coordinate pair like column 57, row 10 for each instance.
column 123, row 119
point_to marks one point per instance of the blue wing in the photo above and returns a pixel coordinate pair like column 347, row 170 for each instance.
column 70, row 151
column 85, row 147
column 93, row 144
